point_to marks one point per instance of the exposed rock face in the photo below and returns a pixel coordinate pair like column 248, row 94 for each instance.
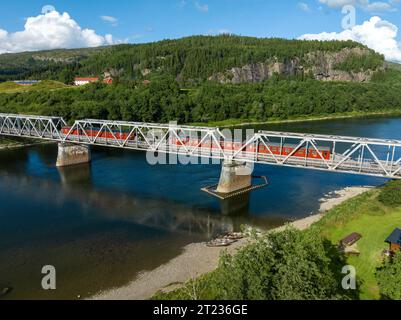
column 257, row 72
column 320, row 64
column 323, row 66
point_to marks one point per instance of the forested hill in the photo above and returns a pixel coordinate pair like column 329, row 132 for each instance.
column 225, row 58
column 204, row 80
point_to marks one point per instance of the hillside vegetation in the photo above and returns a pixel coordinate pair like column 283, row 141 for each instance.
column 164, row 100
column 43, row 65
column 11, row 87
column 194, row 58
column 188, row 81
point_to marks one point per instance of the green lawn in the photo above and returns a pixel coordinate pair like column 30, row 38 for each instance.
column 11, row 87
column 367, row 216
column 364, row 214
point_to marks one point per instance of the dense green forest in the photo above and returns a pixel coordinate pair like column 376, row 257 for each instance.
column 193, row 58
column 164, row 100
column 43, row 65
column 178, row 89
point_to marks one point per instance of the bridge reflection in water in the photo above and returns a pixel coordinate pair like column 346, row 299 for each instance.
column 171, row 216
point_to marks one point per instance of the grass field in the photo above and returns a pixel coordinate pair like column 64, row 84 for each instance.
column 11, row 87
column 375, row 222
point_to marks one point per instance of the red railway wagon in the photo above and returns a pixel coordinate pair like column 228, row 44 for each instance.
column 275, row 149
column 123, row 135
column 288, row 149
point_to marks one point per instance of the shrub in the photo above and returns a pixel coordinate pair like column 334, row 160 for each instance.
column 390, row 195
column 289, row 265
column 389, row 278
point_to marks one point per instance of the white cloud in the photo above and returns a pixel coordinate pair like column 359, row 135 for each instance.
column 201, row 7
column 341, row 3
column 182, row 3
column 304, row 7
column 377, row 34
column 110, row 19
column 51, row 30
column 219, row 31
column 376, row 6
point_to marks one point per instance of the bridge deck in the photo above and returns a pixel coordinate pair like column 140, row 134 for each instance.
column 365, row 156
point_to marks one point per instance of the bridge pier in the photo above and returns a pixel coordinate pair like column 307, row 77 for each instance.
column 234, row 177
column 71, row 154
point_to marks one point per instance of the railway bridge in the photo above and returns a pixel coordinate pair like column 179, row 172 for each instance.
column 353, row 155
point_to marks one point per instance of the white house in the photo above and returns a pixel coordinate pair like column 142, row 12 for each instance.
column 84, row 81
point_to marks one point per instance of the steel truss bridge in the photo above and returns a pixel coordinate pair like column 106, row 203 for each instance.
column 363, row 156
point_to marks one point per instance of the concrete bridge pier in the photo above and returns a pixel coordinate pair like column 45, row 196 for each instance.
column 72, row 154
column 234, row 177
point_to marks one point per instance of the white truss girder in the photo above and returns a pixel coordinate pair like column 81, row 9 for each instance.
column 365, row 156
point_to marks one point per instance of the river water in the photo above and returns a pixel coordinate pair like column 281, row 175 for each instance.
column 101, row 224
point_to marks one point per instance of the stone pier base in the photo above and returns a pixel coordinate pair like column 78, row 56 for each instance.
column 72, row 154
column 234, row 177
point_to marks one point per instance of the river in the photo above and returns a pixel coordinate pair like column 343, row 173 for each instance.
column 101, row 224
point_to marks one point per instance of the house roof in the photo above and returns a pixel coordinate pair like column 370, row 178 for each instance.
column 86, row 79
column 395, row 237
column 351, row 239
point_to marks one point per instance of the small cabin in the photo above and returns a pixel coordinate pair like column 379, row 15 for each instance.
column 394, row 240
column 350, row 240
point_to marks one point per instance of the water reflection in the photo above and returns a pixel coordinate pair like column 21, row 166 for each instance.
column 76, row 177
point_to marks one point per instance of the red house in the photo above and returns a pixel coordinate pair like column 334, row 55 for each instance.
column 108, row 80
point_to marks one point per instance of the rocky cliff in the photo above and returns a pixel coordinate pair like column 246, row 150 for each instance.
column 321, row 65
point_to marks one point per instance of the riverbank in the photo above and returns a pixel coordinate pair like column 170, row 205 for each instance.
column 237, row 123
column 198, row 259
column 6, row 143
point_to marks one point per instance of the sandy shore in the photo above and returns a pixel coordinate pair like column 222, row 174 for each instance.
column 198, row 259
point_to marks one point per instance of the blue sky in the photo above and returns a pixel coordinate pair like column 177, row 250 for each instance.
column 151, row 20
column 143, row 21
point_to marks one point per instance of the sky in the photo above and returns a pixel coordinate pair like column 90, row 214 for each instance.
column 50, row 24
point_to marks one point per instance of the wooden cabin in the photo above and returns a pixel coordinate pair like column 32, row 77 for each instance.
column 394, row 240
column 350, row 240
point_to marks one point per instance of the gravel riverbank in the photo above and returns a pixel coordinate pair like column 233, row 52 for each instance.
column 197, row 259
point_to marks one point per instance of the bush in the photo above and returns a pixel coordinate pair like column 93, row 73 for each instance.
column 290, row 265
column 390, row 195
column 389, row 278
